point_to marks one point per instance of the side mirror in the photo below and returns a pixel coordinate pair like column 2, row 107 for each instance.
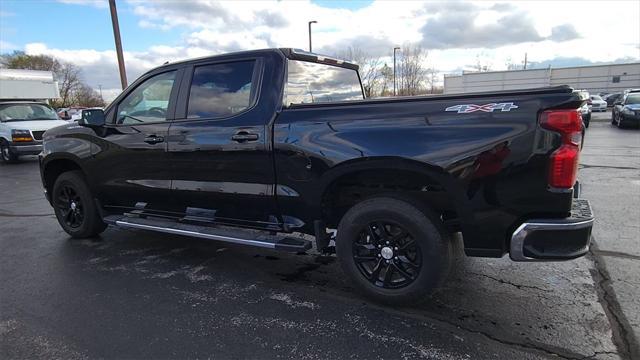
column 64, row 115
column 92, row 118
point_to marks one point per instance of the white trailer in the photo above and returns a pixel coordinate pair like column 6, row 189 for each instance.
column 33, row 85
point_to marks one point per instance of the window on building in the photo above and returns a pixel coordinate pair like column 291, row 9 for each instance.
column 616, row 79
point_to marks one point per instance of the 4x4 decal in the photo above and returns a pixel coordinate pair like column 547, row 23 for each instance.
column 469, row 108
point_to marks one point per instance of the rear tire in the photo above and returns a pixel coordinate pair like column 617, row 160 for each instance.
column 393, row 251
column 6, row 155
column 74, row 206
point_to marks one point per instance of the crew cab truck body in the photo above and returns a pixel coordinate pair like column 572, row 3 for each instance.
column 250, row 147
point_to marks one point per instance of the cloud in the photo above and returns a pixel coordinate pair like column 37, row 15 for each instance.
column 453, row 32
column 372, row 45
column 101, row 4
column 101, row 67
column 224, row 16
column 564, row 32
column 460, row 25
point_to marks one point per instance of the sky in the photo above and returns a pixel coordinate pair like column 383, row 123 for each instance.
column 455, row 33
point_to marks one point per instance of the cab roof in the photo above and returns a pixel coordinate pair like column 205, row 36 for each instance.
column 289, row 53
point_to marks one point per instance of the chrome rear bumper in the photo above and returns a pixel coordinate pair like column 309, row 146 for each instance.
column 554, row 239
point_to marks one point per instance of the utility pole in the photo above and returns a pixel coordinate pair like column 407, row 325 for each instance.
column 394, row 70
column 311, row 22
column 525, row 61
column 100, row 87
column 116, row 35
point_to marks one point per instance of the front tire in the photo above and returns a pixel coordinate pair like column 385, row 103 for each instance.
column 6, row 155
column 74, row 206
column 393, row 251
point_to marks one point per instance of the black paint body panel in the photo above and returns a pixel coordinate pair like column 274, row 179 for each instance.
column 300, row 151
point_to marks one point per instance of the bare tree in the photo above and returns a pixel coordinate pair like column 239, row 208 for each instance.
column 20, row 60
column 69, row 83
column 386, row 81
column 369, row 68
column 85, row 95
column 432, row 78
column 483, row 63
column 411, row 70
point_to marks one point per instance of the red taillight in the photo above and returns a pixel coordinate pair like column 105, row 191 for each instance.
column 563, row 169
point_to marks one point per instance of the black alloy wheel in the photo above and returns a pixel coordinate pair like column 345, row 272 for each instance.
column 393, row 249
column 69, row 205
column 387, row 255
column 75, row 207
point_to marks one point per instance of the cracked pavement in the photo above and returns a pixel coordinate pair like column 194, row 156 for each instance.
column 137, row 294
column 611, row 182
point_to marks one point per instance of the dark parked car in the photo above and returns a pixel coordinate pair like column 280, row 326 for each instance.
column 250, row 147
column 627, row 111
column 612, row 98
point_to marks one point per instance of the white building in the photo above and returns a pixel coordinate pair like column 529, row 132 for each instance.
column 28, row 85
column 595, row 79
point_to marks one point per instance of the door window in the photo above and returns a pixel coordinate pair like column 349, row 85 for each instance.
column 148, row 102
column 221, row 90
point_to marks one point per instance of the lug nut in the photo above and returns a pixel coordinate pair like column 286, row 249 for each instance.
column 395, row 248
column 396, row 258
column 387, row 243
column 387, row 261
column 379, row 255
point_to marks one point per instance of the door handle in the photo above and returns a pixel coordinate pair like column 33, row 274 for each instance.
column 153, row 139
column 242, row 136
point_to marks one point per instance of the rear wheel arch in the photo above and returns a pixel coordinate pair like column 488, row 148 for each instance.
column 417, row 182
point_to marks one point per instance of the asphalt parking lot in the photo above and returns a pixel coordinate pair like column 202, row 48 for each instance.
column 136, row 294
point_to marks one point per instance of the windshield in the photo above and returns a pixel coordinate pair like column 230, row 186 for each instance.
column 633, row 99
column 596, row 97
column 309, row 82
column 26, row 112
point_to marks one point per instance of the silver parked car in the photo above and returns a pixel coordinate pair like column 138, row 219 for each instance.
column 596, row 103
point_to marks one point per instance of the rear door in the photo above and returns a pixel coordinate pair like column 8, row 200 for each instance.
column 219, row 145
column 131, row 165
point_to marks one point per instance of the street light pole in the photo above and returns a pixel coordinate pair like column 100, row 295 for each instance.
column 116, row 35
column 311, row 22
column 394, row 70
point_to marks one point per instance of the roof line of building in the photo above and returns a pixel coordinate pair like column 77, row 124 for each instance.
column 538, row 69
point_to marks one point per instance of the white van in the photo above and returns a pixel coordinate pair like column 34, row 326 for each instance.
column 22, row 124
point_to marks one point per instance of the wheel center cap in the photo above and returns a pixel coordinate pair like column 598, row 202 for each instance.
column 386, row 252
column 73, row 205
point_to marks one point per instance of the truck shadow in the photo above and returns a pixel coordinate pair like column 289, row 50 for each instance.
column 553, row 306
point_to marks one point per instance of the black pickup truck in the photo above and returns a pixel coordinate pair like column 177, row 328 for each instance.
column 261, row 146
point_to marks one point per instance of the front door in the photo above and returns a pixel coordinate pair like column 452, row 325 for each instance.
column 131, row 165
column 218, row 146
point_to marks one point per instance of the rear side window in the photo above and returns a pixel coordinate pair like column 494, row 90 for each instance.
column 309, row 82
column 221, row 90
